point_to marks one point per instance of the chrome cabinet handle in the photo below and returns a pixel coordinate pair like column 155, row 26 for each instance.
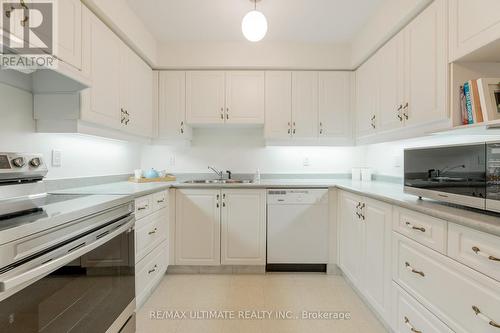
column 153, row 269
column 411, row 226
column 373, row 121
column 484, row 317
column 289, row 128
column 320, row 127
column 182, row 127
column 294, row 128
column 484, row 255
column 405, row 114
column 218, row 196
column 411, row 269
column 160, row 201
column 410, row 326
column 400, row 107
column 152, row 232
column 143, row 207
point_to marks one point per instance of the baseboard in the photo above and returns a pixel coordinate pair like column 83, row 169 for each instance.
column 221, row 269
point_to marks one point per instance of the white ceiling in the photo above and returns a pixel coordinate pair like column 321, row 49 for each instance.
column 326, row 21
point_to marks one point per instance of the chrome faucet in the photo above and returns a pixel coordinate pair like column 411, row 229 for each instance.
column 219, row 173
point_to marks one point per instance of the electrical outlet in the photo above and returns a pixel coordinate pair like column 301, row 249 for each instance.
column 56, row 158
column 306, row 162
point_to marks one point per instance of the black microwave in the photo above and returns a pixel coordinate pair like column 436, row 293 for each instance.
column 467, row 175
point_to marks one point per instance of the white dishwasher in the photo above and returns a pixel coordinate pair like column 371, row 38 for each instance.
column 297, row 229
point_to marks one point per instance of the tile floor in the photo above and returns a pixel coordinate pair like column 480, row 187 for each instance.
column 272, row 292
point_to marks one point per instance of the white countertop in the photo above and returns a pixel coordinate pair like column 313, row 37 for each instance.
column 388, row 192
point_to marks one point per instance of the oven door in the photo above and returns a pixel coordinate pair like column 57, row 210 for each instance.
column 83, row 285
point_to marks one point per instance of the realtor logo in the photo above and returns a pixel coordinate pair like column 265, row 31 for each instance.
column 28, row 31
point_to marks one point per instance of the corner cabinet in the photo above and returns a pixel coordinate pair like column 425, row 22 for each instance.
column 405, row 84
column 215, row 227
column 365, row 248
column 232, row 97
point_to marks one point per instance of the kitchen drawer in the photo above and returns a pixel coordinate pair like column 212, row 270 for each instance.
column 150, row 232
column 450, row 290
column 411, row 316
column 149, row 271
column 426, row 230
column 143, row 206
column 159, row 200
column 475, row 249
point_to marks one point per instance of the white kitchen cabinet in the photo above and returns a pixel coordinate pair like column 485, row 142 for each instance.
column 334, row 105
column 367, row 105
column 121, row 96
column 473, row 24
column 172, row 106
column 245, row 97
column 69, row 32
column 350, row 237
column 376, row 273
column 426, row 59
column 243, row 227
column 390, row 64
column 365, row 248
column 101, row 62
column 136, row 94
column 197, row 227
column 305, row 104
column 278, row 105
column 232, row 97
column 205, row 94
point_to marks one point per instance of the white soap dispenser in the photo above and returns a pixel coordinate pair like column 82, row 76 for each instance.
column 256, row 177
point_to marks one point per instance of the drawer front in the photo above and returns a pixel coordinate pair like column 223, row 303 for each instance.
column 142, row 207
column 422, row 228
column 450, row 290
column 149, row 272
column 410, row 314
column 150, row 232
column 475, row 249
column 159, row 200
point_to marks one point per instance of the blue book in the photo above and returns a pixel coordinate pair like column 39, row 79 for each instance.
column 468, row 103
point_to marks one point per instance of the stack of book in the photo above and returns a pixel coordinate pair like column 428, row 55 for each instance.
column 470, row 104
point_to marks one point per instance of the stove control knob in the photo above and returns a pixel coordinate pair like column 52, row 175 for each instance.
column 18, row 162
column 35, row 162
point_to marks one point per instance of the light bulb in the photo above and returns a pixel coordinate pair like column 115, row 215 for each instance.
column 254, row 26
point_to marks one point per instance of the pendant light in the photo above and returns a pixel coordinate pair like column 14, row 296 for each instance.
column 254, row 24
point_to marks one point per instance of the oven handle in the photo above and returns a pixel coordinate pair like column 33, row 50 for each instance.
column 54, row 264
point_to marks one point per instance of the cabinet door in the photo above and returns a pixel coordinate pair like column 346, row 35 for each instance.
column 102, row 51
column 427, row 65
column 243, row 224
column 350, row 237
column 205, row 97
column 473, row 24
column 391, row 83
column 245, row 97
column 334, row 104
column 367, row 87
column 305, row 104
column 376, row 272
column 69, row 38
column 136, row 94
column 197, row 227
column 278, row 99
column 172, row 106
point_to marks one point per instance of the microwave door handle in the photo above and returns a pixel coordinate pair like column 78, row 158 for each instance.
column 54, row 264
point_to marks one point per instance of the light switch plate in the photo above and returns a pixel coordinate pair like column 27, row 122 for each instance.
column 56, row 158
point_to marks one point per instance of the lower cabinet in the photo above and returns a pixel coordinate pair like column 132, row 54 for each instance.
column 365, row 248
column 152, row 248
column 214, row 227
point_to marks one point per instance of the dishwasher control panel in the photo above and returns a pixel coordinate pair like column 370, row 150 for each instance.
column 297, row 196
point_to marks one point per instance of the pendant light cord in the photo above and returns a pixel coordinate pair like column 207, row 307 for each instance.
column 254, row 4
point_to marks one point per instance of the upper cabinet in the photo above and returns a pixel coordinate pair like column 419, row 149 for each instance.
column 69, row 38
column 405, row 83
column 120, row 100
column 172, row 106
column 305, row 104
column 473, row 25
column 216, row 97
column 308, row 105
